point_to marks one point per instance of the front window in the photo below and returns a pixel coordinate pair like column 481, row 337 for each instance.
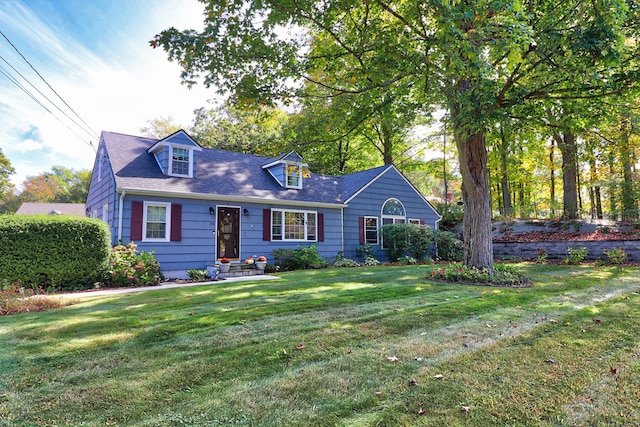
column 393, row 212
column 294, row 225
column 371, row 230
column 156, row 224
column 180, row 161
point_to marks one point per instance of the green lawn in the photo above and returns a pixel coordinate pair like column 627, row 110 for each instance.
column 341, row 347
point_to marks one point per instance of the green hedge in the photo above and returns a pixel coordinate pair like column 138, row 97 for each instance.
column 53, row 251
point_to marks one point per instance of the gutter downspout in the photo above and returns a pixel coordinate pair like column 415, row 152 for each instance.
column 120, row 214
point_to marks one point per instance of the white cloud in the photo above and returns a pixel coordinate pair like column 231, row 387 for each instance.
column 118, row 88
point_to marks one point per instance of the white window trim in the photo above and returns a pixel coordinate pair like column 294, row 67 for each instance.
column 306, row 236
column 105, row 213
column 167, row 234
column 395, row 219
column 190, row 150
column 377, row 242
column 287, row 175
column 413, row 221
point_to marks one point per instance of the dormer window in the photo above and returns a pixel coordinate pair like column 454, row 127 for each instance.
column 176, row 155
column 294, row 175
column 180, row 161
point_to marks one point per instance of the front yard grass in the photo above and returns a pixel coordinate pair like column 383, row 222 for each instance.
column 341, row 347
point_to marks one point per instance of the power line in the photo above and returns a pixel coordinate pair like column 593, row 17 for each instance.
column 4, row 72
column 91, row 132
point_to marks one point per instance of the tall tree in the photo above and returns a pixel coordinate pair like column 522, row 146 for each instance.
column 478, row 58
column 6, row 170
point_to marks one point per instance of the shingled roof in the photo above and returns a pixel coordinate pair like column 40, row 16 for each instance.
column 221, row 173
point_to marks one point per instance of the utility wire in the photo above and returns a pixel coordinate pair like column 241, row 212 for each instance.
column 93, row 133
column 4, row 72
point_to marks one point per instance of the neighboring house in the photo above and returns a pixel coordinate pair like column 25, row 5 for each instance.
column 193, row 205
column 31, row 208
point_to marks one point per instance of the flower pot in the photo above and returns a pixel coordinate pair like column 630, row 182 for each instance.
column 224, row 267
column 261, row 264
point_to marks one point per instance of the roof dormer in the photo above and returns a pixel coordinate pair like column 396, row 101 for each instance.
column 289, row 170
column 176, row 154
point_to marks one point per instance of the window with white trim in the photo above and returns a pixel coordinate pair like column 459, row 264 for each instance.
column 294, row 175
column 414, row 221
column 105, row 213
column 371, row 230
column 294, row 225
column 180, row 161
column 393, row 212
column 156, row 222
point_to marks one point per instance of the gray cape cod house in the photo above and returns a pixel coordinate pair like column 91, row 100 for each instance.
column 193, row 206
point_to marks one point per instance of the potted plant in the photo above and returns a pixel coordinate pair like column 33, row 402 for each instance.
column 261, row 262
column 225, row 265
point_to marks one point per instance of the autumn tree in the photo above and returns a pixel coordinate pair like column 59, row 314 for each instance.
column 476, row 58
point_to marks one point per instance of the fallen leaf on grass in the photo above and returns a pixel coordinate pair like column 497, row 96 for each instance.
column 392, row 358
column 553, row 321
column 613, row 371
column 300, row 346
column 421, row 411
column 597, row 320
column 550, row 360
column 465, row 409
column 438, row 377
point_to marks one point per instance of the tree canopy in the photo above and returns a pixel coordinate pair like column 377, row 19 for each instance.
column 478, row 59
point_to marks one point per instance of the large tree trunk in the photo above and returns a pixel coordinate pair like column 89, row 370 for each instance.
column 506, row 195
column 476, row 223
column 629, row 204
column 552, row 168
column 568, row 148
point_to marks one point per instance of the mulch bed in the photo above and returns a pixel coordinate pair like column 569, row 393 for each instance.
column 554, row 236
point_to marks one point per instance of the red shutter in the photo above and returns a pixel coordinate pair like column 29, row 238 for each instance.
column 176, row 222
column 361, row 229
column 320, row 227
column 136, row 220
column 266, row 224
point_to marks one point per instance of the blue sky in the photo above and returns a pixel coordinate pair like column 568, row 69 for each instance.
column 95, row 54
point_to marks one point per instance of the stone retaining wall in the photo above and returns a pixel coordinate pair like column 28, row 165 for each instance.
column 558, row 250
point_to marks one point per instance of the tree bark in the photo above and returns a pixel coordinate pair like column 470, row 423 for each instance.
column 506, row 195
column 476, row 222
column 553, row 178
column 629, row 203
column 568, row 148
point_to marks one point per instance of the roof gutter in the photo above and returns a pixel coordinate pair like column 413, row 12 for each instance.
column 226, row 198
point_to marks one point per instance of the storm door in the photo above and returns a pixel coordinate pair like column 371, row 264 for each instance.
column 228, row 233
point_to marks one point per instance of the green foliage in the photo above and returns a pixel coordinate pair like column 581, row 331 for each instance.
column 451, row 216
column 128, row 267
column 449, row 247
column 53, row 251
column 407, row 239
column 541, row 256
column 369, row 261
column 365, row 251
column 197, row 275
column 345, row 262
column 407, row 260
column 616, row 256
column 301, row 258
column 576, row 255
column 504, row 275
